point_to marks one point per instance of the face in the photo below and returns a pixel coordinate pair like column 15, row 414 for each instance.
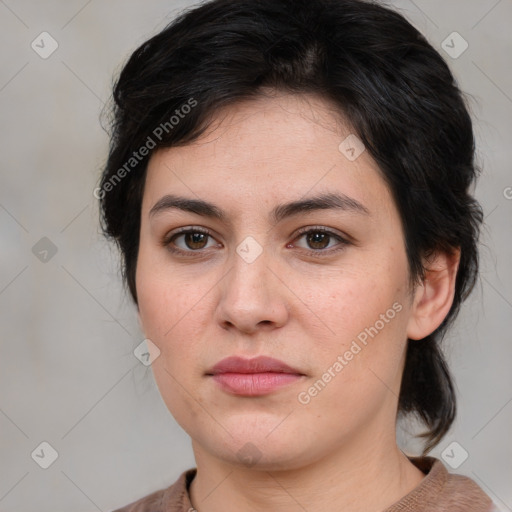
column 321, row 286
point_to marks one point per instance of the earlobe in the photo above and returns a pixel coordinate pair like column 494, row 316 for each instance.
column 433, row 298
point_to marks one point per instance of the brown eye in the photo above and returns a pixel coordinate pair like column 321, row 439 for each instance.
column 195, row 240
column 320, row 241
column 188, row 241
column 317, row 239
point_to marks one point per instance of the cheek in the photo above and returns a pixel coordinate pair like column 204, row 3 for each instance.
column 168, row 310
column 174, row 310
column 351, row 301
column 166, row 295
column 363, row 321
column 170, row 320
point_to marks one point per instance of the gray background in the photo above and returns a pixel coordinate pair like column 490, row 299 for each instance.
column 68, row 375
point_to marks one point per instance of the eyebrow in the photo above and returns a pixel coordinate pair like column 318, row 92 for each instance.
column 330, row 201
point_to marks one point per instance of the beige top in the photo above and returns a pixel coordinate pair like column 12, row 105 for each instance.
column 439, row 491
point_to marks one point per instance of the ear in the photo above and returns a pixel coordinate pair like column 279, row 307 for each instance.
column 434, row 297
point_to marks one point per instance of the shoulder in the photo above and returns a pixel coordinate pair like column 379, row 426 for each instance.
column 174, row 497
column 464, row 493
column 442, row 491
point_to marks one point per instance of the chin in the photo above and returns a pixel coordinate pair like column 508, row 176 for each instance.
column 261, row 451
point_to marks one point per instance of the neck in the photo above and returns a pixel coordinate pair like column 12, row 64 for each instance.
column 370, row 477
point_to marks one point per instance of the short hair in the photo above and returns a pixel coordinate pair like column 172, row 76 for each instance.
column 383, row 77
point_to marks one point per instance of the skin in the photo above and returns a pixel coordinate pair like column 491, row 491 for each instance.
column 338, row 451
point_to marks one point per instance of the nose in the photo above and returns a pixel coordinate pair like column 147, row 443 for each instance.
column 252, row 297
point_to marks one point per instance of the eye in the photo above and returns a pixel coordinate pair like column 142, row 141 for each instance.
column 188, row 240
column 318, row 240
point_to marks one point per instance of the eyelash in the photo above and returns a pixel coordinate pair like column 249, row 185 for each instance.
column 166, row 242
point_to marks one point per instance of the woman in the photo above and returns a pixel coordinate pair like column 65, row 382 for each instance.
column 288, row 182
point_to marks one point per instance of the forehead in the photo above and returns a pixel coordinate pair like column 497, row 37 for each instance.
column 261, row 151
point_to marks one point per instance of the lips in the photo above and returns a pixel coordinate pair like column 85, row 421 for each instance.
column 253, row 377
column 261, row 364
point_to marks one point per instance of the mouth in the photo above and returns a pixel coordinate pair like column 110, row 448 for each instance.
column 253, row 377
